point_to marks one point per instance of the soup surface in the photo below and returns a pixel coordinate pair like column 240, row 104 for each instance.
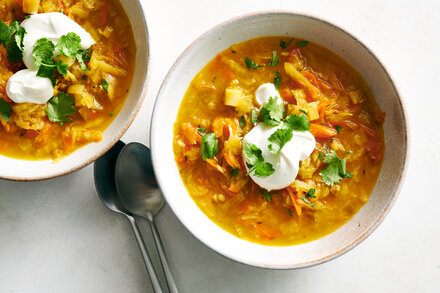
column 87, row 98
column 220, row 108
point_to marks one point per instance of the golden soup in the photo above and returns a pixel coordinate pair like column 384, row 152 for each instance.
column 98, row 93
column 344, row 119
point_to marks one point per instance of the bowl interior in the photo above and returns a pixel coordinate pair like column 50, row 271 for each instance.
column 37, row 170
column 335, row 39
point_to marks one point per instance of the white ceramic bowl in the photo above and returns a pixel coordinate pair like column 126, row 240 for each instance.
column 37, row 170
column 240, row 29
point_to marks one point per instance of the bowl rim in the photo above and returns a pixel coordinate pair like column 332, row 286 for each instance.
column 117, row 136
column 405, row 124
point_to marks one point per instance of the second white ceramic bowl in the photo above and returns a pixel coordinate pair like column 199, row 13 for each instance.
column 196, row 56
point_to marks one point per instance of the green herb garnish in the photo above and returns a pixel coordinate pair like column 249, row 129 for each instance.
column 338, row 128
column 5, row 110
column 242, row 121
column 251, row 64
column 58, row 108
column 277, row 80
column 297, row 122
column 302, row 43
column 266, row 194
column 201, row 130
column 255, row 161
column 305, row 199
column 311, row 193
column 104, row 85
column 43, row 52
column 110, row 114
column 335, row 169
column 254, row 116
column 209, row 146
column 272, row 112
column 278, row 139
column 11, row 37
column 234, row 172
column 289, row 212
column 274, row 60
column 284, row 45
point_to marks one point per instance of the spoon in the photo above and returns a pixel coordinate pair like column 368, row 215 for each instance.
column 139, row 193
column 104, row 173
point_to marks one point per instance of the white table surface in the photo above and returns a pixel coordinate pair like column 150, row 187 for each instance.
column 56, row 236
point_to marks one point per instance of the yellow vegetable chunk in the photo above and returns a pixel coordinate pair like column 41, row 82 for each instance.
column 233, row 96
column 30, row 6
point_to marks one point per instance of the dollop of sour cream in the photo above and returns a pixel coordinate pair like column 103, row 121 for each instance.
column 26, row 86
column 286, row 164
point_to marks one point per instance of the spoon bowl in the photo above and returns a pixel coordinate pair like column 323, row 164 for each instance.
column 136, row 182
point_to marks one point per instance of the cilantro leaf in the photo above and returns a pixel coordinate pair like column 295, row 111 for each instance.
column 255, row 161
column 305, row 199
column 104, row 85
column 335, row 169
column 11, row 37
column 201, row 130
column 43, row 52
column 277, row 80
column 69, row 45
column 209, row 146
column 274, row 60
column 234, row 172
column 289, row 212
column 61, row 68
column 311, row 193
column 266, row 194
column 82, row 56
column 58, row 108
column 279, row 139
column 47, row 71
column 251, row 64
column 5, row 110
column 242, row 121
column 338, row 128
column 297, row 122
column 302, row 43
column 254, row 116
column 272, row 112
column 284, row 45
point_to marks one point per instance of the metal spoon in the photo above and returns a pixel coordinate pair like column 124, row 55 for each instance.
column 139, row 193
column 104, row 173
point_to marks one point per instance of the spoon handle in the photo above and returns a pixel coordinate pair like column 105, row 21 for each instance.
column 145, row 255
column 163, row 258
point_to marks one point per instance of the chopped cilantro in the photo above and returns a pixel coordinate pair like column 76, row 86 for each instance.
column 302, row 43
column 302, row 111
column 305, row 199
column 5, row 110
column 255, row 161
column 242, row 121
column 254, row 116
column 338, row 128
column 43, row 52
column 312, row 205
column 277, row 80
column 81, row 56
column 209, row 146
column 335, row 169
column 11, row 37
column 58, row 108
column 201, row 130
column 84, row 78
column 272, row 112
column 278, row 139
column 297, row 122
column 104, row 85
column 69, row 45
column 110, row 114
column 234, row 172
column 311, row 193
column 266, row 194
column 251, row 64
column 284, row 45
column 274, row 60
column 61, row 68
column 289, row 212
column 47, row 71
